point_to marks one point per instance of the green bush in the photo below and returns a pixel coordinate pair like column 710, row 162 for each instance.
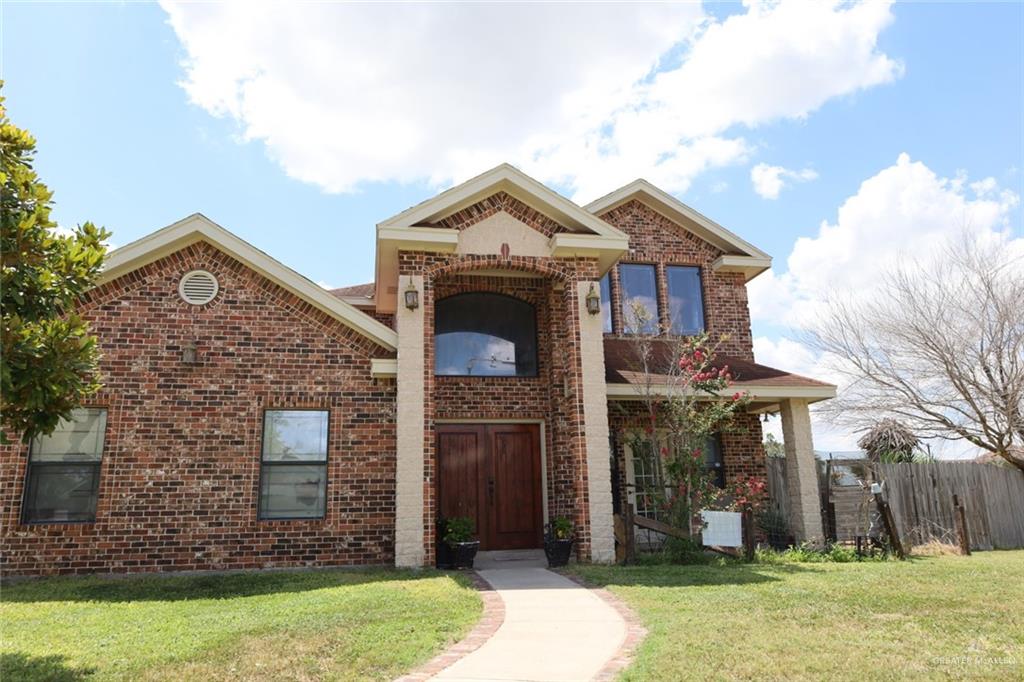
column 806, row 554
column 458, row 529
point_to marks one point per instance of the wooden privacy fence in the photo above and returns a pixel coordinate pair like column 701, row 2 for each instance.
column 921, row 498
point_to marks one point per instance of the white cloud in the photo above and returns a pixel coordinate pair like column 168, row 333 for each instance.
column 904, row 211
column 589, row 95
column 769, row 180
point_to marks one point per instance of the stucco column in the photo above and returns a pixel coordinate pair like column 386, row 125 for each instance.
column 595, row 416
column 801, row 473
column 409, row 550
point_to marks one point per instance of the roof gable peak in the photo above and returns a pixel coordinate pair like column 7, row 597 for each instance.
column 517, row 184
column 199, row 228
column 664, row 203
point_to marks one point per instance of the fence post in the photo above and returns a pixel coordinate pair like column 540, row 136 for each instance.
column 890, row 525
column 960, row 518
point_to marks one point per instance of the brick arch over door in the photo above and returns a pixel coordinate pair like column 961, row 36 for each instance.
column 567, row 480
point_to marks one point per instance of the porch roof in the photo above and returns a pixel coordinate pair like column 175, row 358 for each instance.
column 765, row 384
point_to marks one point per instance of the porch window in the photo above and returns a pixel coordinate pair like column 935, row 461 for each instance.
column 63, row 478
column 685, row 300
column 485, row 335
column 649, row 481
column 713, row 460
column 606, row 303
column 293, row 472
column 639, row 292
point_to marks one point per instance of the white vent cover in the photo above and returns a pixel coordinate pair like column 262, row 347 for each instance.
column 198, row 287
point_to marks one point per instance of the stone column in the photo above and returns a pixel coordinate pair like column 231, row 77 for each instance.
column 801, row 473
column 409, row 535
column 595, row 416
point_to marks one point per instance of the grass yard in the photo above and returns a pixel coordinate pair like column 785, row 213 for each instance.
column 320, row 625
column 935, row 618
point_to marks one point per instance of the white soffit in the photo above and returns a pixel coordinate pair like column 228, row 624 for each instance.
column 198, row 227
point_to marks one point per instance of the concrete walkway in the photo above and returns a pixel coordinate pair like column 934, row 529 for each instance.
column 554, row 630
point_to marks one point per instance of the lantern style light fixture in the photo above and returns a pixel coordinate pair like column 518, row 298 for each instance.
column 593, row 301
column 412, row 297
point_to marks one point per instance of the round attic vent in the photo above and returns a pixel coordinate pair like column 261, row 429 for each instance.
column 198, row 287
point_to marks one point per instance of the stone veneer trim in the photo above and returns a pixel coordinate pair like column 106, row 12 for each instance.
column 595, row 415
column 409, row 472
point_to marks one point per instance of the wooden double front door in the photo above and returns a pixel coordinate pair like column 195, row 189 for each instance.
column 491, row 473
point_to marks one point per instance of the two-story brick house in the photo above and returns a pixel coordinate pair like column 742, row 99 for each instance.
column 250, row 418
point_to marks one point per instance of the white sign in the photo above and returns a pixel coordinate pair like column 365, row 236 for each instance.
column 722, row 528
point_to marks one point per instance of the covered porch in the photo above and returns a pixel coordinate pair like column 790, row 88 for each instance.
column 741, row 453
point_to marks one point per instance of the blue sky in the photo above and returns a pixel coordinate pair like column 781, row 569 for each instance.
column 343, row 123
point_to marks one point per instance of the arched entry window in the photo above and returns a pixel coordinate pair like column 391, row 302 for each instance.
column 485, row 335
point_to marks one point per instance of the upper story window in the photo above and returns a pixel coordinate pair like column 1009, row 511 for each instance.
column 685, row 300
column 293, row 475
column 606, row 303
column 485, row 335
column 639, row 298
column 63, row 478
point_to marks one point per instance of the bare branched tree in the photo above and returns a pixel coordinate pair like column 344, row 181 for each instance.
column 939, row 346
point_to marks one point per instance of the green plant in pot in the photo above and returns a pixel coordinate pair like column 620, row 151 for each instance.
column 458, row 536
column 558, row 540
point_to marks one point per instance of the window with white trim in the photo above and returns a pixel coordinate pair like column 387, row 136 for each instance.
column 293, row 470
column 63, row 478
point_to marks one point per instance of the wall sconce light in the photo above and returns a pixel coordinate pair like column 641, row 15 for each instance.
column 412, row 297
column 190, row 353
column 593, row 301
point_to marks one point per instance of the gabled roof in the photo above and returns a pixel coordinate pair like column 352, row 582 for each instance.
column 198, row 227
column 739, row 254
column 414, row 230
column 509, row 179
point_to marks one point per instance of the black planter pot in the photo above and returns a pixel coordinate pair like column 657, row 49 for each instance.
column 445, row 557
column 558, row 552
column 463, row 553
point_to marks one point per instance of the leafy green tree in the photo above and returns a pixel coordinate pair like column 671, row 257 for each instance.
column 773, row 447
column 49, row 358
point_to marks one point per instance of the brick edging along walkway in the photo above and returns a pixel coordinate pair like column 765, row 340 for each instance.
column 635, row 631
column 492, row 618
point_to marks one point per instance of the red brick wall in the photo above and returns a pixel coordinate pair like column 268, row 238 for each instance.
column 655, row 239
column 180, row 468
column 496, row 203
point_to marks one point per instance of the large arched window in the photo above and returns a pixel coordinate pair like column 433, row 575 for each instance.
column 485, row 335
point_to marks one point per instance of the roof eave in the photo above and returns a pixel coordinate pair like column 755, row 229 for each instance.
column 197, row 227
column 678, row 212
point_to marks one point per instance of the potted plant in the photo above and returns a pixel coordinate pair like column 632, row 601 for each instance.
column 445, row 558
column 558, row 539
column 458, row 536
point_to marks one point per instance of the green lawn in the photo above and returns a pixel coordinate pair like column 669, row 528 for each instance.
column 320, row 625
column 932, row 618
